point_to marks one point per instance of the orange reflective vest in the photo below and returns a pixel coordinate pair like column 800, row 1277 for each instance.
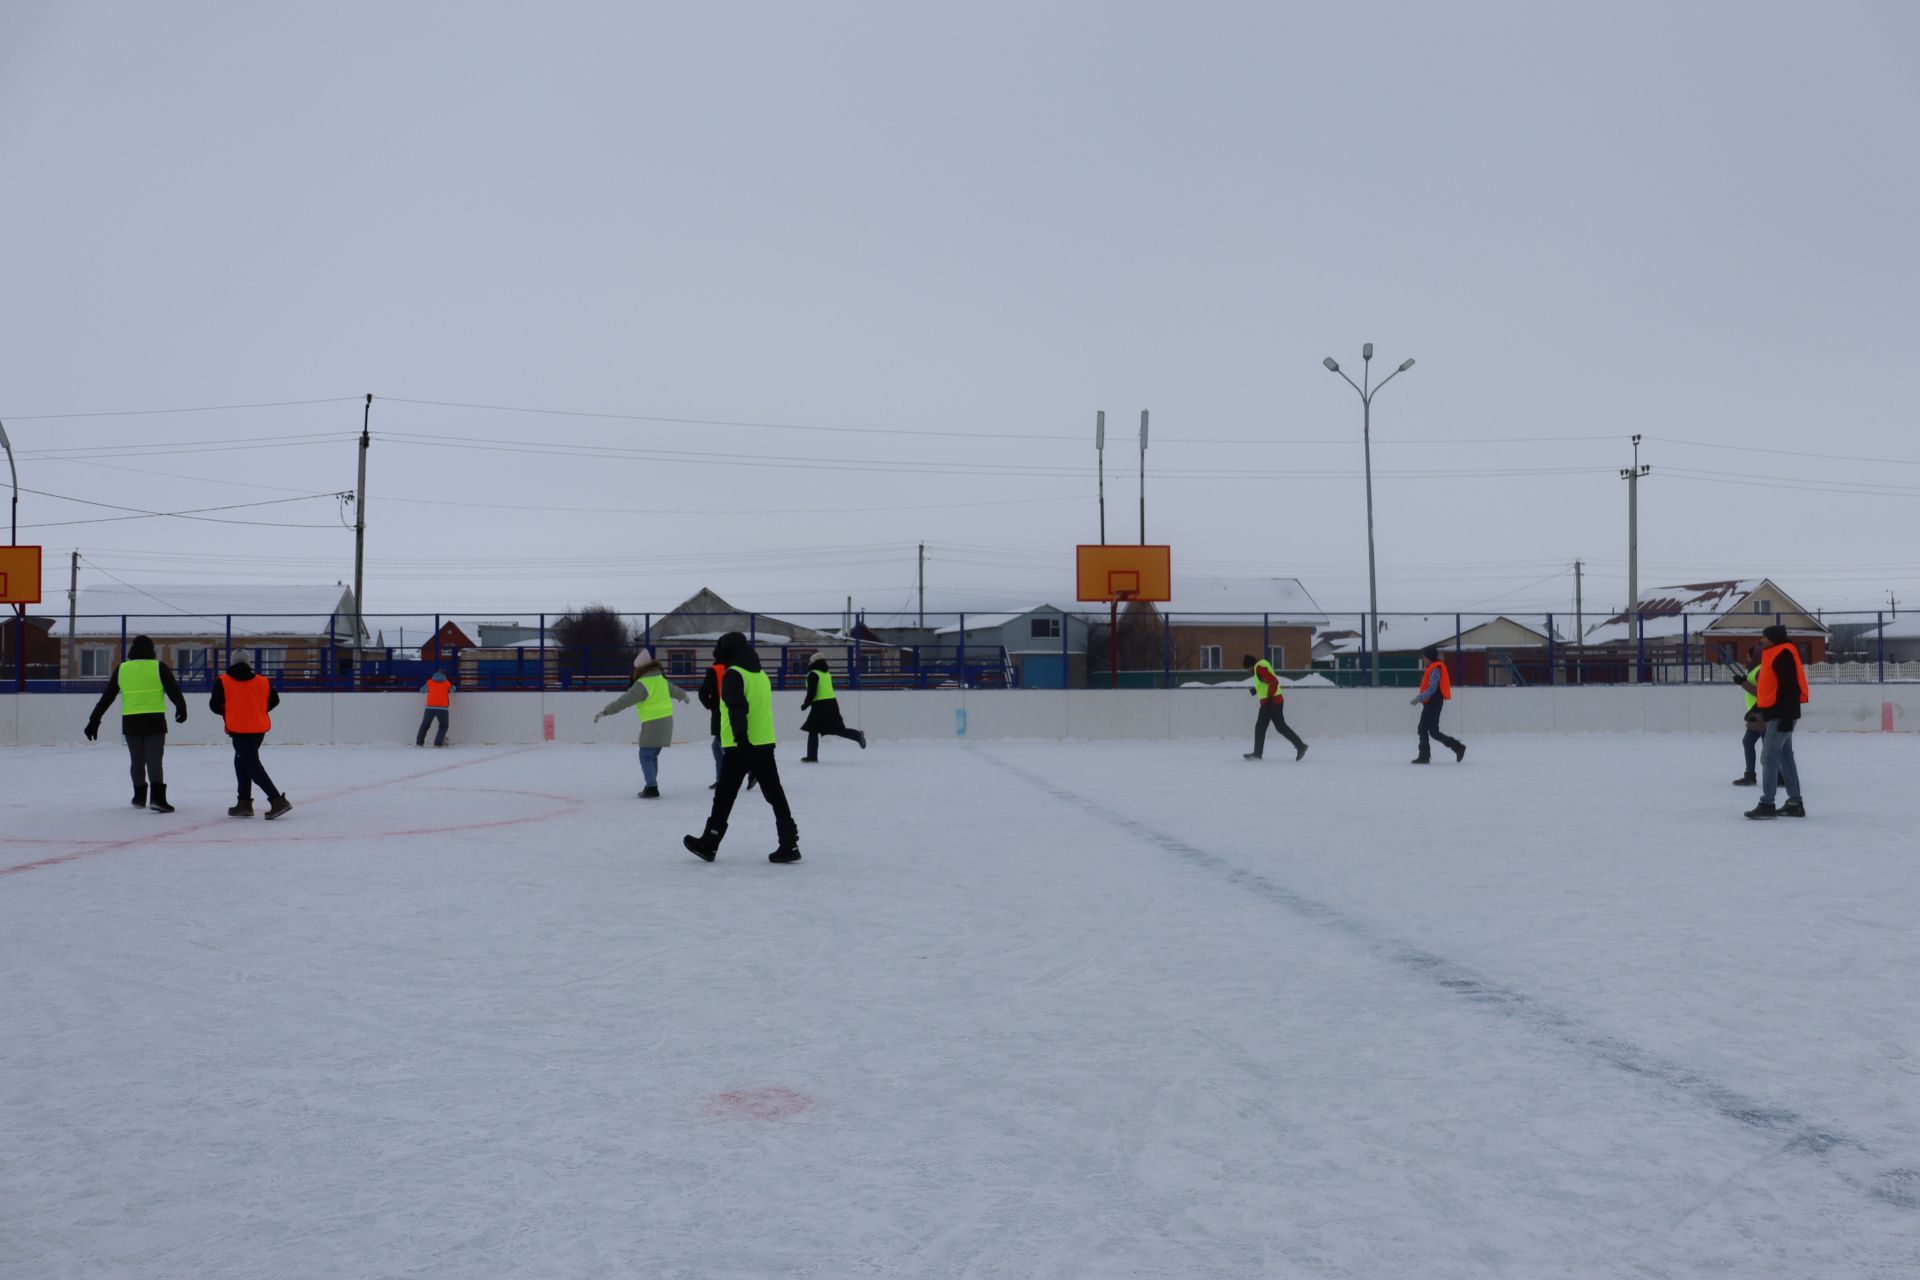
column 1769, row 683
column 1446, row 680
column 439, row 693
column 246, row 704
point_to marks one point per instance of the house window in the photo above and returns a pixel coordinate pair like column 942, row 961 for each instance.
column 679, row 662
column 1277, row 655
column 799, row 659
column 96, row 662
column 872, row 660
column 1763, row 606
column 187, row 658
column 1209, row 657
column 271, row 661
column 1044, row 628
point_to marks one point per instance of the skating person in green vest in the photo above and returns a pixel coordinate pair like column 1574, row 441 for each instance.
column 746, row 750
column 1266, row 687
column 145, row 685
column 654, row 698
column 822, row 706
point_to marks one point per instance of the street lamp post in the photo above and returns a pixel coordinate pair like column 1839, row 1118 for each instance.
column 1367, row 391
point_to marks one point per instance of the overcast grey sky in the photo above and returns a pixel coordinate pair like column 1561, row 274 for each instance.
column 931, row 240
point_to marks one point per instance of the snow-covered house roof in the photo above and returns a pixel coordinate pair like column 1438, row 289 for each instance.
column 704, row 615
column 994, row 621
column 1738, row 605
column 1400, row 633
column 200, row 609
column 1241, row 601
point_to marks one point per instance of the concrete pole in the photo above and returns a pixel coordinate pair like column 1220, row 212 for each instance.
column 1579, row 625
column 360, row 538
column 923, row 586
column 1634, row 625
column 1143, row 477
column 1100, row 454
column 73, row 605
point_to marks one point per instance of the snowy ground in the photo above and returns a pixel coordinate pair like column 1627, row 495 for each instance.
column 1026, row 1009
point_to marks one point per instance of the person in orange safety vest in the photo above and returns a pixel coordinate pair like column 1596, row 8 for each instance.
column 243, row 700
column 1780, row 689
column 1436, row 690
column 439, row 695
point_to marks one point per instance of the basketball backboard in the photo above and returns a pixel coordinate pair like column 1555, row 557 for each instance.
column 19, row 575
column 1116, row 571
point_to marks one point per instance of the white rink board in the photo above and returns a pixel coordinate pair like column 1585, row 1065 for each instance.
column 1011, row 714
column 1026, row 1009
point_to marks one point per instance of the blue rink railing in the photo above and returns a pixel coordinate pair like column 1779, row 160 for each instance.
column 1045, row 648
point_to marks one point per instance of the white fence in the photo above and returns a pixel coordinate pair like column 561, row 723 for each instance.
column 1860, row 672
column 988, row 715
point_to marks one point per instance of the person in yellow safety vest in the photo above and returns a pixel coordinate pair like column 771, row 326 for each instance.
column 746, row 746
column 653, row 697
column 439, row 694
column 1273, row 703
column 1780, row 691
column 1436, row 690
column 1755, row 726
column 822, row 706
column 145, row 685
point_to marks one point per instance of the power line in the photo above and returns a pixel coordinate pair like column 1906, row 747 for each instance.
column 195, row 513
column 204, row 408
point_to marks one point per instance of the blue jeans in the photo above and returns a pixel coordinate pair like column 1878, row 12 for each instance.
column 650, row 765
column 1776, row 761
column 719, row 757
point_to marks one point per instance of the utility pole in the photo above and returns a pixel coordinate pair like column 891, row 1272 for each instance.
column 1143, row 477
column 1100, row 452
column 360, row 536
column 1632, row 476
column 923, row 586
column 73, row 605
column 1579, row 625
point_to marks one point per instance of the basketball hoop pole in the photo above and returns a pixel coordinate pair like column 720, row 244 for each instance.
column 1113, row 643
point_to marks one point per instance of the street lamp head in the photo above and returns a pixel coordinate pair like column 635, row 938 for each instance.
column 1366, row 351
column 1333, row 366
column 1403, row 368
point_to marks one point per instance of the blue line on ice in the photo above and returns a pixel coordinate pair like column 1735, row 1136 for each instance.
column 1900, row 1187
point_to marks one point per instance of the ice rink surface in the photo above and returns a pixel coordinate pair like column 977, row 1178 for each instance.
column 1025, row 1010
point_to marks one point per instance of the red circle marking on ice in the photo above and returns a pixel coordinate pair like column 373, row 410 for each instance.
column 758, row 1104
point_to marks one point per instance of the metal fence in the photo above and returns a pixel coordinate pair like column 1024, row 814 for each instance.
column 1137, row 647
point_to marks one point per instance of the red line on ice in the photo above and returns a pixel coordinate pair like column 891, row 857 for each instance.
column 177, row 832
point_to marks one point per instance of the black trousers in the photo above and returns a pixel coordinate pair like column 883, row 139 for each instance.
column 146, row 753
column 813, row 739
column 1275, row 714
column 737, row 764
column 433, row 715
column 1430, row 727
column 247, row 768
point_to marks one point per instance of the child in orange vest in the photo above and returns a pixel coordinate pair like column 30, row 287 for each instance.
column 243, row 699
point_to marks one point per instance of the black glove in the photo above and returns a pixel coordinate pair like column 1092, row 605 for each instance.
column 93, row 731
column 180, row 715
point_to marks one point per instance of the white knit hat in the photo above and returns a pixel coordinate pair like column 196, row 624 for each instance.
column 642, row 658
